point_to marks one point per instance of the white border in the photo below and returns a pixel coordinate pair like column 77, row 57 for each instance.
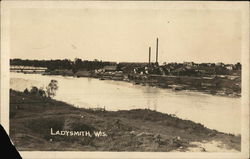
column 6, row 6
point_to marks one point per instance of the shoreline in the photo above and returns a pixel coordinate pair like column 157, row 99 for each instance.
column 173, row 83
column 32, row 117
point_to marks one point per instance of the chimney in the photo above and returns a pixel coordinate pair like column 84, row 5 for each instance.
column 156, row 51
column 149, row 55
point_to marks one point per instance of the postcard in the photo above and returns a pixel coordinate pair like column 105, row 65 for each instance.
column 126, row 79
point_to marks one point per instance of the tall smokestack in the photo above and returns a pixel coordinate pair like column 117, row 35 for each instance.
column 149, row 55
column 156, row 51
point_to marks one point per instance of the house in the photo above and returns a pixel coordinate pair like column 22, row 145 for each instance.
column 118, row 76
column 188, row 63
column 219, row 64
column 27, row 69
column 211, row 64
column 178, row 71
column 229, row 67
column 64, row 72
column 83, row 73
column 110, row 68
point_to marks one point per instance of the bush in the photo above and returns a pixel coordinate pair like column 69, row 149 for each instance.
column 34, row 90
column 41, row 92
column 26, row 91
column 52, row 88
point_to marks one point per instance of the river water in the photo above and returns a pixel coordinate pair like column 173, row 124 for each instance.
column 215, row 112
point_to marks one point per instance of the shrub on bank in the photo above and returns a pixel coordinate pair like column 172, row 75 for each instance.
column 50, row 90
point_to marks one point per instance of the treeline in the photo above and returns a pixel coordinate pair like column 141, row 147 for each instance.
column 75, row 65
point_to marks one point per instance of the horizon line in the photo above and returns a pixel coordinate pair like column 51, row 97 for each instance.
column 123, row 61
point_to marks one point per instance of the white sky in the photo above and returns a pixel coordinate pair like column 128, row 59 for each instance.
column 125, row 34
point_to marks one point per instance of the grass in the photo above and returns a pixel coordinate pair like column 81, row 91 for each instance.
column 32, row 117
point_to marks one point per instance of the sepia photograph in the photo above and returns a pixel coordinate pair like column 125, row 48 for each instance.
column 144, row 77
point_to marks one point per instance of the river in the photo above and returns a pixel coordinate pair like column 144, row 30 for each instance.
column 215, row 112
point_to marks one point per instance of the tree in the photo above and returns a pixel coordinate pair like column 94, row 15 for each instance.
column 238, row 66
column 41, row 92
column 34, row 90
column 52, row 88
column 26, row 91
column 78, row 63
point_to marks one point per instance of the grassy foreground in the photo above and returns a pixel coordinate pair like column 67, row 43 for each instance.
column 32, row 117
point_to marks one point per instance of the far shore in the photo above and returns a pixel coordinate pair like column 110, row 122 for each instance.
column 219, row 86
column 44, row 124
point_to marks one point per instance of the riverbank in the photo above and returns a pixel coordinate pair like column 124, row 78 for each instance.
column 219, row 85
column 45, row 124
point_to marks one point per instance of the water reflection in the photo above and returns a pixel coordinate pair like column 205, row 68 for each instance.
column 150, row 94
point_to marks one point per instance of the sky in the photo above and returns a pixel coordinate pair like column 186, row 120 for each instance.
column 124, row 35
